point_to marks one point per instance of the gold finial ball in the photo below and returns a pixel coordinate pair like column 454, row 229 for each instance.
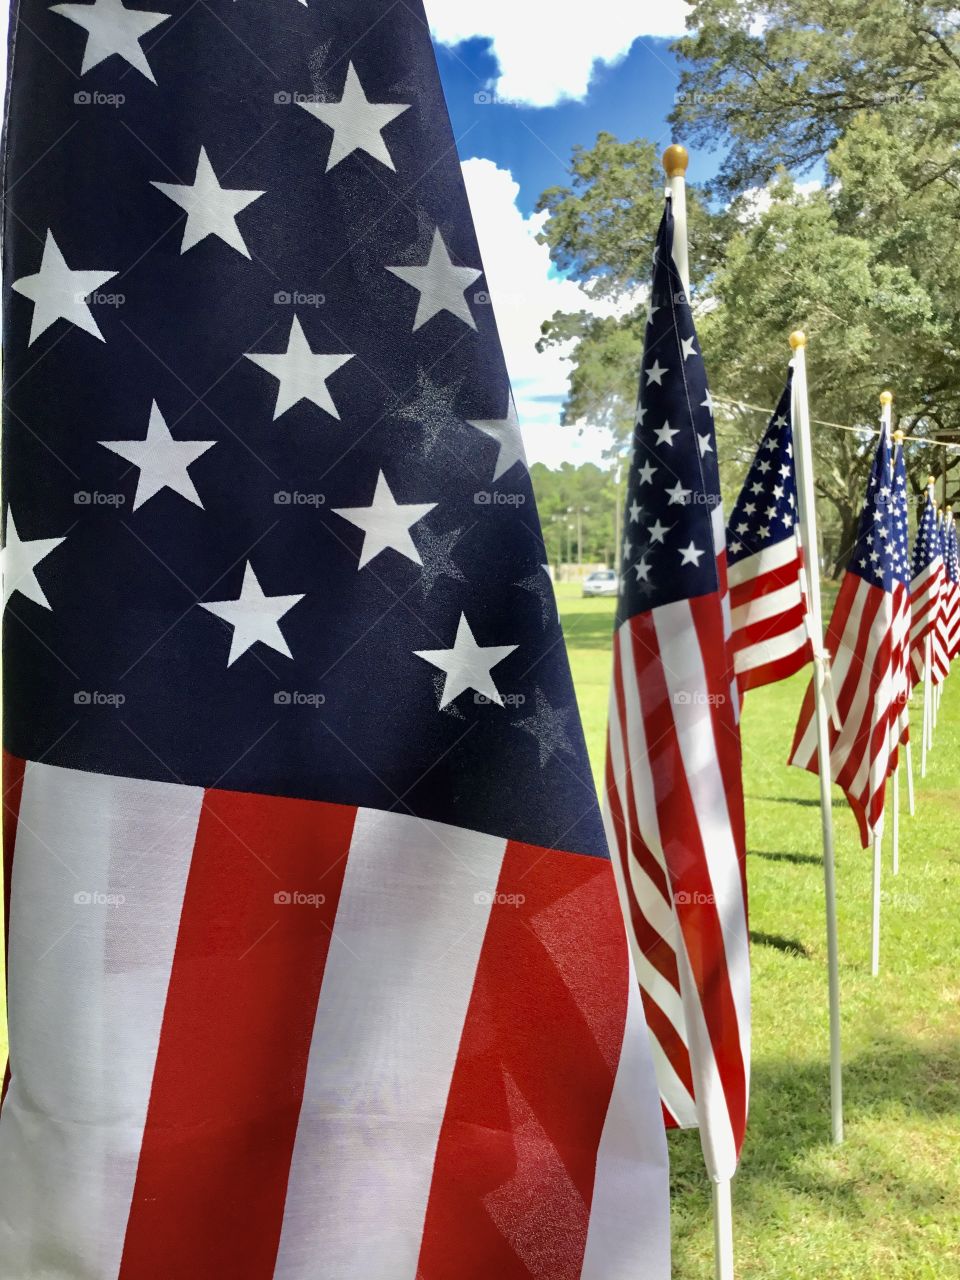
column 798, row 339
column 931, row 480
column 886, row 397
column 675, row 161
column 898, row 436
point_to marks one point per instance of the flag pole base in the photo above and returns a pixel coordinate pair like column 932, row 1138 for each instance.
column 723, row 1229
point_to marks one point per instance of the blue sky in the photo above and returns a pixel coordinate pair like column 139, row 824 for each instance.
column 522, row 92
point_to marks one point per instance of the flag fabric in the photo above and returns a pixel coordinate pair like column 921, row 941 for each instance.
column 316, row 965
column 771, row 636
column 952, row 583
column 941, row 656
column 925, row 585
column 864, row 659
column 673, row 783
column 902, row 617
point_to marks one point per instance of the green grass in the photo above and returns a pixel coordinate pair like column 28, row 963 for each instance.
column 887, row 1203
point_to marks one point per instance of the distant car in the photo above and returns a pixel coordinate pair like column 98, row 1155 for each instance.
column 601, row 583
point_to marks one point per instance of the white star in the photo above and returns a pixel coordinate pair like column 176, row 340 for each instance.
column 735, row 547
column 655, row 373
column 678, row 495
column 635, row 511
column 254, row 616
column 357, row 123
column 690, row 555
column 163, row 461
column 20, row 559
column 658, row 531
column 646, row 473
column 301, row 372
column 708, row 403
column 778, row 423
column 651, row 309
column 743, row 528
column 57, row 293
column 467, row 665
column 627, row 548
column 666, row 433
column 749, row 508
column 641, row 414
column 112, row 28
column 506, row 431
column 642, row 570
column 756, row 488
column 441, row 284
column 688, row 347
column 764, row 465
column 705, row 445
column 211, row 209
column 386, row 523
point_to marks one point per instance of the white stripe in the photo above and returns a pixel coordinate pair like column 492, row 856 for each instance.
column 399, row 975
column 762, row 562
column 676, row 1096
column 629, row 1231
column 840, row 665
column 764, row 651
column 767, row 606
column 99, row 871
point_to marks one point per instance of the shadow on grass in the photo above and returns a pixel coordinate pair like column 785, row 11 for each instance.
column 838, row 802
column 789, row 946
column 790, row 1120
column 798, row 859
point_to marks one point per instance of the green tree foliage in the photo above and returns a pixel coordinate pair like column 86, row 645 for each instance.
column 868, row 263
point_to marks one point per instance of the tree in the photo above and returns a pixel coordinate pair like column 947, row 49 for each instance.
column 868, row 262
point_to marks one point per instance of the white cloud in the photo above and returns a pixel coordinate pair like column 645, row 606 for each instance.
column 525, row 292
column 546, row 53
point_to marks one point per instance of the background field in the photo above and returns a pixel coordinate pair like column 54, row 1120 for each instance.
column 887, row 1203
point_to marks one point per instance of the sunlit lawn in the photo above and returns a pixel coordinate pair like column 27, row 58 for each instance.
column 887, row 1203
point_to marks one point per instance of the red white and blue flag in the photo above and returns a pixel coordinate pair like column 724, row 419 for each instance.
column 673, row 784
column 865, row 659
column 943, row 627
column 771, row 635
column 925, row 584
column 952, row 587
column 903, row 613
column 316, row 966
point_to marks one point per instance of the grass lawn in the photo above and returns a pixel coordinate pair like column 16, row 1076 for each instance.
column 887, row 1203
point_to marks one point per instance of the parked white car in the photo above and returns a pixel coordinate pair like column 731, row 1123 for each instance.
column 601, row 583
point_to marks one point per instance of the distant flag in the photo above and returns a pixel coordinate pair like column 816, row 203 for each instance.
column 925, row 583
column 317, row 964
column 902, row 598
column 952, row 611
column 771, row 636
column 942, row 632
column 861, row 643
column 673, row 782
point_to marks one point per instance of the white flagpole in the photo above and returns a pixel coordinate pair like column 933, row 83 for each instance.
column 803, row 449
column 896, row 821
column 911, row 796
column 875, row 939
column 675, row 161
column 927, row 660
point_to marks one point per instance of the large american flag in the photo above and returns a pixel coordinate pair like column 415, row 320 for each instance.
column 673, row 782
column 925, row 584
column 771, row 636
column 865, row 660
column 316, row 965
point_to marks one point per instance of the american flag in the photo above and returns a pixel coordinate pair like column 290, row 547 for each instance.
column 316, row 964
column 925, row 584
column 952, row 587
column 943, row 626
column 902, row 619
column 864, row 658
column 673, row 781
column 771, row 637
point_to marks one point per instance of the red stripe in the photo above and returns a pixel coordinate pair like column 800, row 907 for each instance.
column 236, row 1033
column 13, row 771
column 684, row 852
column 778, row 624
column 779, row 669
column 667, row 1036
column 513, row 1178
column 786, row 575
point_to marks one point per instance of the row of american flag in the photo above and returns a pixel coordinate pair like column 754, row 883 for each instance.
column 344, row 990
